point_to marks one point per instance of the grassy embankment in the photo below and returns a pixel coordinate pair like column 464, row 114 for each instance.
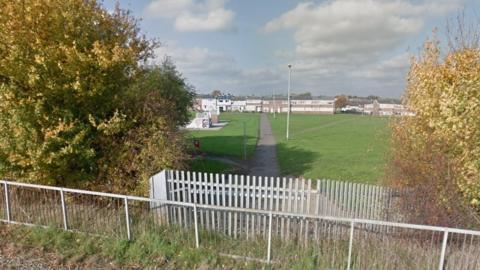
column 173, row 249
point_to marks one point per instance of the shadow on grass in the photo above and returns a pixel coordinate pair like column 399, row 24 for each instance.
column 294, row 161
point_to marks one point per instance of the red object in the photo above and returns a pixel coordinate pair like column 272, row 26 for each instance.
column 196, row 143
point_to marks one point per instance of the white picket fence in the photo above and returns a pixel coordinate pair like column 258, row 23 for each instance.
column 289, row 195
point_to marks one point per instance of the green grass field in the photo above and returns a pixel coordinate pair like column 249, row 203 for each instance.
column 339, row 147
column 209, row 166
column 229, row 140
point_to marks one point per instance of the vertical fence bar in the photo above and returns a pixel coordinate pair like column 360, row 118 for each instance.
column 212, row 200
column 127, row 219
column 184, row 198
column 224, row 203
column 197, row 241
column 247, row 204
column 230, row 196
column 444, row 248
column 242, row 197
column 269, row 251
column 7, row 203
column 64, row 210
column 264, row 186
column 235, row 204
column 350, row 246
column 317, row 209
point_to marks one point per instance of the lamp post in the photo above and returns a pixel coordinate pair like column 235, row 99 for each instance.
column 288, row 96
column 273, row 105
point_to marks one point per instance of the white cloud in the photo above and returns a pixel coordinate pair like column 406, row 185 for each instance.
column 197, row 61
column 358, row 30
column 386, row 70
column 347, row 44
column 193, row 15
column 206, row 70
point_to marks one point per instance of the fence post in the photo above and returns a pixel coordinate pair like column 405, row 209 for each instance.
column 444, row 248
column 64, row 210
column 350, row 245
column 197, row 241
column 7, row 202
column 269, row 251
column 127, row 219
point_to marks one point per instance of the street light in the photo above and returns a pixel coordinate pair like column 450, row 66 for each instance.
column 288, row 110
column 273, row 105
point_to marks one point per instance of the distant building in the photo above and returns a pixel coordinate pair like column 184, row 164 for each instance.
column 239, row 105
column 253, row 105
column 315, row 106
column 277, row 105
column 227, row 103
column 208, row 104
column 224, row 103
column 386, row 109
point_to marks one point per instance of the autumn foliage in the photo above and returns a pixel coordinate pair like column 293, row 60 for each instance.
column 76, row 106
column 436, row 153
column 341, row 102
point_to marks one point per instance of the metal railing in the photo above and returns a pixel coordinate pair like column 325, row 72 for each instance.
column 337, row 242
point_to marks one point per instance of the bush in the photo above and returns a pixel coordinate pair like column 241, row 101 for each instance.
column 436, row 153
column 76, row 105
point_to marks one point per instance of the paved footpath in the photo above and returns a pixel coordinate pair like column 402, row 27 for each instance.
column 264, row 161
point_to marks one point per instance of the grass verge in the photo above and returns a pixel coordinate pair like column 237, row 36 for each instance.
column 168, row 249
column 153, row 250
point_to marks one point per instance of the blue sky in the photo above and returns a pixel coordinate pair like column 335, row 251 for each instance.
column 356, row 47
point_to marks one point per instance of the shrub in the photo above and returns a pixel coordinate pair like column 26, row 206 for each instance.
column 436, row 153
column 76, row 104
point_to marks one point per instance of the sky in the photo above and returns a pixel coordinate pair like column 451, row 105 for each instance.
column 243, row 47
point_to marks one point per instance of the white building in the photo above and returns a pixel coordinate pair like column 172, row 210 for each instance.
column 313, row 106
column 316, row 106
column 386, row 109
column 253, row 105
column 208, row 104
column 224, row 103
column 220, row 104
column 239, row 105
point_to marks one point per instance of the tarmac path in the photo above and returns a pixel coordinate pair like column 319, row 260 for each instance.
column 264, row 161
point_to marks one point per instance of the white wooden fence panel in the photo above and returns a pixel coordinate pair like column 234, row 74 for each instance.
column 300, row 196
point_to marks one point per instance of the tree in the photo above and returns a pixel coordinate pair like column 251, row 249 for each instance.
column 157, row 104
column 306, row 95
column 341, row 102
column 68, row 94
column 436, row 153
column 216, row 93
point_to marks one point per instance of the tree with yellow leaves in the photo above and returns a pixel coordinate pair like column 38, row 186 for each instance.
column 436, row 153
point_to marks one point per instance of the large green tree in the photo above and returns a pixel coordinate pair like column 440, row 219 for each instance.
column 68, row 76
column 156, row 105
